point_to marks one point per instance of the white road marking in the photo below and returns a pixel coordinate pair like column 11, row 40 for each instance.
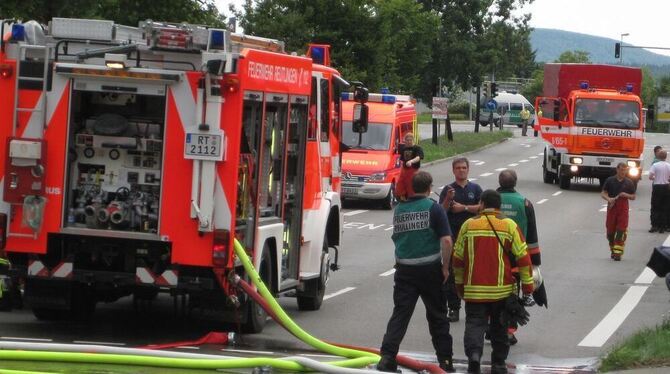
column 472, row 179
column 646, row 172
column 187, row 347
column 532, row 157
column 26, row 339
column 501, row 169
column 387, row 273
column 353, row 213
column 245, row 351
column 542, row 201
column 513, row 165
column 666, row 243
column 524, row 160
column 541, row 154
column 97, row 343
column 485, row 174
column 603, row 209
column 557, row 193
column 646, row 277
column 340, row 292
column 480, row 163
column 599, row 335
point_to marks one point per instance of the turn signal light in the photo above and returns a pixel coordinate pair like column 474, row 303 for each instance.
column 6, row 70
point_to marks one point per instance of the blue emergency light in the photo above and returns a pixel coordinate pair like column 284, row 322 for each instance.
column 318, row 55
column 388, row 99
column 584, row 85
column 629, row 87
column 385, row 91
column 216, row 40
column 18, row 32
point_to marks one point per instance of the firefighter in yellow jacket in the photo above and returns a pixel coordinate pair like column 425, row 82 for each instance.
column 484, row 279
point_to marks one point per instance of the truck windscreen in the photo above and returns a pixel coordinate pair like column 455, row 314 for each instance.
column 376, row 138
column 607, row 113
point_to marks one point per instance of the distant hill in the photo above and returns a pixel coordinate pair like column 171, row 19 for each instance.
column 550, row 43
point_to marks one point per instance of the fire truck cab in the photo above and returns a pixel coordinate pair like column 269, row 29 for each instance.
column 371, row 163
column 133, row 156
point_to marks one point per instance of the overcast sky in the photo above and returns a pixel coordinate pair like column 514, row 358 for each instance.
column 646, row 21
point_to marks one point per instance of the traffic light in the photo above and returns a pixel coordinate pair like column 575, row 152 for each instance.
column 487, row 89
column 494, row 89
column 617, row 50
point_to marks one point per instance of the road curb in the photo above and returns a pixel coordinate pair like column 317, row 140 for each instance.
column 443, row 160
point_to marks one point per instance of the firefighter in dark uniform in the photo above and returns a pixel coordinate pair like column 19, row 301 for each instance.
column 484, row 279
column 518, row 208
column 617, row 190
column 423, row 246
column 461, row 201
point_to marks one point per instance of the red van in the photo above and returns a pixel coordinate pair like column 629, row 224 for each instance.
column 371, row 165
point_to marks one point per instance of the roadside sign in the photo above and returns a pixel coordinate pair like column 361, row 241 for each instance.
column 663, row 109
column 440, row 107
column 491, row 104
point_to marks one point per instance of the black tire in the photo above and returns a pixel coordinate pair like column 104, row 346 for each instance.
column 390, row 201
column 256, row 315
column 547, row 176
column 564, row 182
column 312, row 298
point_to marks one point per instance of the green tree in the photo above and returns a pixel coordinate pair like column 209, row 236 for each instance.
column 648, row 89
column 381, row 43
column 581, row 57
column 536, row 87
column 125, row 12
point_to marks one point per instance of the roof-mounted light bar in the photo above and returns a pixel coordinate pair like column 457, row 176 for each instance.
column 378, row 98
column 85, row 29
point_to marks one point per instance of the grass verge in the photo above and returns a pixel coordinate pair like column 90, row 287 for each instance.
column 647, row 348
column 463, row 142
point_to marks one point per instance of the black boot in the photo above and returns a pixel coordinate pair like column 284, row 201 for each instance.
column 387, row 364
column 446, row 364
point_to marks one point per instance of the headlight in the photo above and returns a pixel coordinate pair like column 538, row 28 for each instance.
column 633, row 172
column 576, row 160
column 574, row 168
column 377, row 177
column 632, row 164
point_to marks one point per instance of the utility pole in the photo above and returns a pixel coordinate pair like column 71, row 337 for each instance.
column 621, row 50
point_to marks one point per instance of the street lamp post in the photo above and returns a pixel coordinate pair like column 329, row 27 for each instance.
column 621, row 50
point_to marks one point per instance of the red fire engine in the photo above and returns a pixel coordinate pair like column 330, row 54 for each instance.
column 591, row 119
column 134, row 155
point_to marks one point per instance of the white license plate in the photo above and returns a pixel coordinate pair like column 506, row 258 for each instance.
column 350, row 190
column 605, row 159
column 203, row 146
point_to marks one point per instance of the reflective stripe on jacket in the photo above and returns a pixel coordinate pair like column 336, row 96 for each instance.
column 481, row 267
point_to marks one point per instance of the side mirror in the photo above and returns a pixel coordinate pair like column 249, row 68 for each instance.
column 360, row 119
column 361, row 94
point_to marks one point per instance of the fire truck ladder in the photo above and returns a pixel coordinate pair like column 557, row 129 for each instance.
column 23, row 48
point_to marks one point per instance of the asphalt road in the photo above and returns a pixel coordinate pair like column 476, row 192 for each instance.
column 583, row 284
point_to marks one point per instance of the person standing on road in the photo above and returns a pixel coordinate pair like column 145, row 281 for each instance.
column 410, row 158
column 525, row 116
column 521, row 211
column 617, row 190
column 657, row 149
column 484, row 279
column 460, row 204
column 659, row 173
column 423, row 246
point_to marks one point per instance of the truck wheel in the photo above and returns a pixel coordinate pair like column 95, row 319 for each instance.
column 256, row 315
column 564, row 182
column 390, row 200
column 315, row 289
column 547, row 176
